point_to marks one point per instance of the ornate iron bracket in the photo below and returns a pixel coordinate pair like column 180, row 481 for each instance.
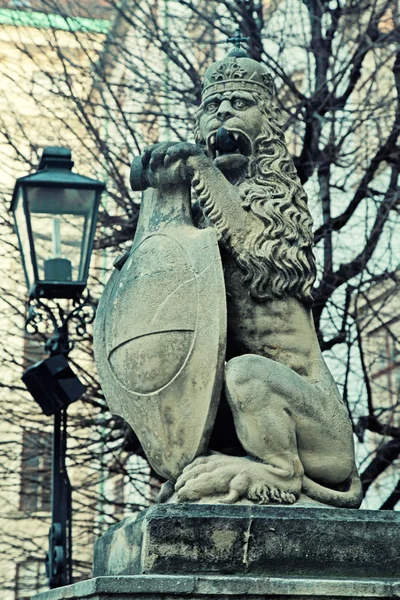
column 82, row 314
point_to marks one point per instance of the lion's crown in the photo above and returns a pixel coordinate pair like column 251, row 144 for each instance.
column 237, row 72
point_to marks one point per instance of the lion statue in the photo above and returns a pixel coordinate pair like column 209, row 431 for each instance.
column 282, row 431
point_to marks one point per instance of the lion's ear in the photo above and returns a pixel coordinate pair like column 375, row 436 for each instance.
column 198, row 138
column 279, row 116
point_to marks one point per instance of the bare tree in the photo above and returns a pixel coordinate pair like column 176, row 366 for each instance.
column 109, row 87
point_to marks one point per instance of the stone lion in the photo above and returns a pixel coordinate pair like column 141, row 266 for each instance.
column 282, row 428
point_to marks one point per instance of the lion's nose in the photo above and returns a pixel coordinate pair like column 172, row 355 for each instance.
column 225, row 109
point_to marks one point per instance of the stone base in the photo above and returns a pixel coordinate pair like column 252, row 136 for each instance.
column 252, row 540
column 224, row 552
column 172, row 587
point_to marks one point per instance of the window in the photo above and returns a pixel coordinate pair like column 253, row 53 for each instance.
column 30, row 579
column 33, row 350
column 384, row 368
column 137, row 482
column 35, row 471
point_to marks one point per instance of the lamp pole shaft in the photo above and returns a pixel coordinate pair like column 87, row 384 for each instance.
column 60, row 542
column 59, row 555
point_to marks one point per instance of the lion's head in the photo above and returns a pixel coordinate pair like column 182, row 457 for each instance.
column 250, row 150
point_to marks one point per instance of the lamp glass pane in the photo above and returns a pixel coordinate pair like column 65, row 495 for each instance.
column 23, row 237
column 60, row 220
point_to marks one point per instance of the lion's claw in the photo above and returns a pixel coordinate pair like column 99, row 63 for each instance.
column 228, row 479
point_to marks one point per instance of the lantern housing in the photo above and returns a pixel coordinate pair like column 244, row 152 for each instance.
column 55, row 213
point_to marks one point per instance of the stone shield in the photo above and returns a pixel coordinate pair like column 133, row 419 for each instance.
column 160, row 339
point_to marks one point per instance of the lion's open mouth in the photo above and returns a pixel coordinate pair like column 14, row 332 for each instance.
column 227, row 142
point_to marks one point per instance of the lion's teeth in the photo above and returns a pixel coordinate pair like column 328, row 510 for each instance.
column 212, row 140
column 236, row 135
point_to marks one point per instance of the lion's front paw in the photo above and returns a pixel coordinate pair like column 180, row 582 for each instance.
column 166, row 163
column 182, row 151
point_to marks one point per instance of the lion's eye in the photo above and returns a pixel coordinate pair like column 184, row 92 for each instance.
column 212, row 107
column 239, row 103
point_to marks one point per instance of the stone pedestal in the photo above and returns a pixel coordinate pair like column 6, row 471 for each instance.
column 258, row 540
column 216, row 552
column 173, row 587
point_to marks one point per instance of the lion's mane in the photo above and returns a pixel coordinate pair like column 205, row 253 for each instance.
column 278, row 261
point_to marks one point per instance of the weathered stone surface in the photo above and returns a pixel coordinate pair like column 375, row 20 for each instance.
column 241, row 540
column 280, row 426
column 155, row 587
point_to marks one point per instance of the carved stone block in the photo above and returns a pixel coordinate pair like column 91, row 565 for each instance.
column 252, row 540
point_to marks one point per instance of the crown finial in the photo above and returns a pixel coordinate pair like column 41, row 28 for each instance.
column 237, row 40
column 237, row 71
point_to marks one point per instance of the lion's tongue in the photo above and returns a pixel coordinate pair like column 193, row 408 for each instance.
column 230, row 162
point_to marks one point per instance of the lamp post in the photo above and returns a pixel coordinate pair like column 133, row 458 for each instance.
column 55, row 213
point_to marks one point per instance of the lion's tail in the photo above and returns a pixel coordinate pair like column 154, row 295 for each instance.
column 351, row 498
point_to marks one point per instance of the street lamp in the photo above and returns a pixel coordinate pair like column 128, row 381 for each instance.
column 55, row 213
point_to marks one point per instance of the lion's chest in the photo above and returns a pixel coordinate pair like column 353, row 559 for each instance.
column 281, row 330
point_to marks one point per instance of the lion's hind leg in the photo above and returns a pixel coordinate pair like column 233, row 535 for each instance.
column 263, row 420
column 286, row 422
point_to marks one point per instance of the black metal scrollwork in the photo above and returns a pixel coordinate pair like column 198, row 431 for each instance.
column 82, row 314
